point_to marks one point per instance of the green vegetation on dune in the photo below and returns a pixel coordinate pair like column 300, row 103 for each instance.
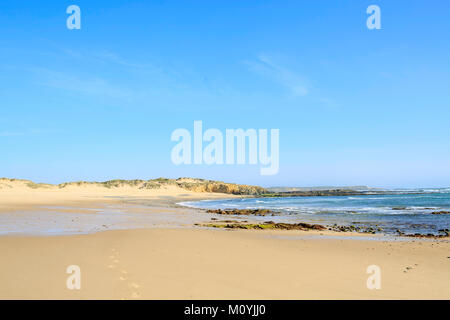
column 191, row 184
column 9, row 183
column 33, row 185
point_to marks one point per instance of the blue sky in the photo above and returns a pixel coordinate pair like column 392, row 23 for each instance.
column 354, row 106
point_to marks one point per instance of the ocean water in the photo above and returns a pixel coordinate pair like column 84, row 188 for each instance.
column 409, row 213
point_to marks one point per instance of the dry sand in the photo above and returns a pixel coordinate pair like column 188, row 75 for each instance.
column 195, row 263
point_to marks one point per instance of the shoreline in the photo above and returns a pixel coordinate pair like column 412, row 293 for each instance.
column 151, row 249
column 158, row 204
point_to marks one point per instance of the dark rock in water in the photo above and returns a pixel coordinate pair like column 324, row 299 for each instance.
column 428, row 235
column 440, row 212
column 353, row 228
column 356, row 226
column 316, row 193
column 254, row 212
column 295, row 226
column 418, row 225
column 269, row 225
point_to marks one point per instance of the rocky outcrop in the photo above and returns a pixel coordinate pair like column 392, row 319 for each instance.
column 246, row 212
column 336, row 192
column 268, row 225
column 195, row 185
column 200, row 185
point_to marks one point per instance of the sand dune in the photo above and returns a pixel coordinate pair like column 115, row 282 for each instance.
column 22, row 194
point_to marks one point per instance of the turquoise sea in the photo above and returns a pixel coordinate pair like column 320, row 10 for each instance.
column 409, row 211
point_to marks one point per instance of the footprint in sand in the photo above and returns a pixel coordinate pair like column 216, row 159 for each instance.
column 123, row 276
column 114, row 259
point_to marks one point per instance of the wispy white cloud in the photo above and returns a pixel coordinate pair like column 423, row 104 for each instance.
column 80, row 84
column 109, row 57
column 266, row 66
column 27, row 132
column 11, row 134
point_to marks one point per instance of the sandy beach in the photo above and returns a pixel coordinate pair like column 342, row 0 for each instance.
column 168, row 257
column 224, row 150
